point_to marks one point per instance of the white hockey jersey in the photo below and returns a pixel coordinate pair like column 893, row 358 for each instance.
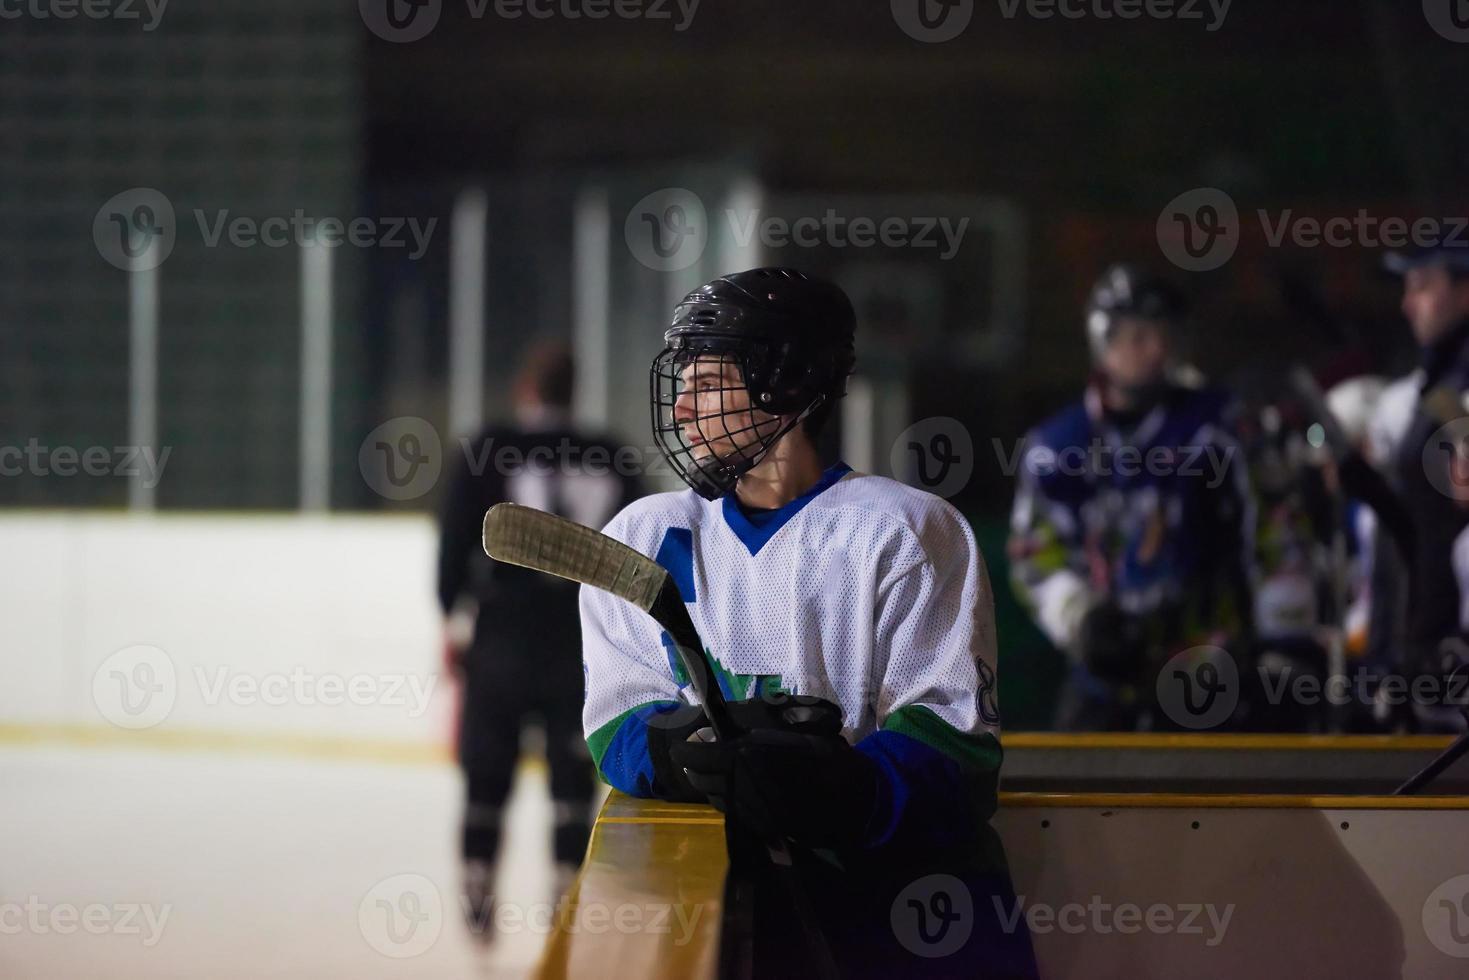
column 863, row 591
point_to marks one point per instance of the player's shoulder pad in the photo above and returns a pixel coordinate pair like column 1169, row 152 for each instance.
column 642, row 523
column 915, row 524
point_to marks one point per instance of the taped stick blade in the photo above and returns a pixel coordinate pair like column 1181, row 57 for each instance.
column 546, row 543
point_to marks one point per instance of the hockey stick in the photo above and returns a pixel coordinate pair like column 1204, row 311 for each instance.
column 546, row 543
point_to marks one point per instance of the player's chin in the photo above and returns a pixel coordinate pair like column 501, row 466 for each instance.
column 711, row 453
column 703, row 451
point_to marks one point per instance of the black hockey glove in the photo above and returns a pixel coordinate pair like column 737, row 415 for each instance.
column 799, row 713
column 814, row 789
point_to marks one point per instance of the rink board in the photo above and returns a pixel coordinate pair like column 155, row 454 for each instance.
column 1116, row 884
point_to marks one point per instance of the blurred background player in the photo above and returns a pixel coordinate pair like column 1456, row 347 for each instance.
column 523, row 661
column 1132, row 526
column 1436, row 304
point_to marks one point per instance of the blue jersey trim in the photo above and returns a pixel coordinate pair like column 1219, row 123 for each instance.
column 921, row 795
column 676, row 555
column 755, row 531
column 627, row 764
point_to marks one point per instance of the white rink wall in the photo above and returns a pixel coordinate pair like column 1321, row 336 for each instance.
column 280, row 624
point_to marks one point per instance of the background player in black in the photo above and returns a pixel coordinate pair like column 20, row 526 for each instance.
column 524, row 660
column 1436, row 305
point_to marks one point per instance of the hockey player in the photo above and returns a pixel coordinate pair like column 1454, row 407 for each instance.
column 1132, row 528
column 867, row 599
column 522, row 659
column 1424, row 467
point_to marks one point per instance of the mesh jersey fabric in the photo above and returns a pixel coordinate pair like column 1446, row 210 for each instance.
column 865, row 591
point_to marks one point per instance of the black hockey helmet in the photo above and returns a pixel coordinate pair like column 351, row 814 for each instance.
column 1125, row 290
column 791, row 337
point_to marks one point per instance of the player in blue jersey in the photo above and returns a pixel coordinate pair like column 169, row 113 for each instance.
column 1132, row 533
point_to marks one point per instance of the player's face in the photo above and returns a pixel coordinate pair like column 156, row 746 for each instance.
column 1433, row 302
column 713, row 410
column 1136, row 353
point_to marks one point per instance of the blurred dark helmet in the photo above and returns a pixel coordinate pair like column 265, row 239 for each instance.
column 1127, row 291
column 1455, row 258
